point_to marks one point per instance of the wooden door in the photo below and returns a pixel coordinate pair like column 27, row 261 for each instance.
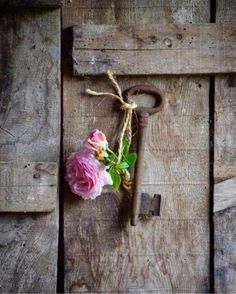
column 92, row 248
column 170, row 253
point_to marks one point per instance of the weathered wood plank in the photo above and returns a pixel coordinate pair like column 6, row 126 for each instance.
column 225, row 250
column 28, row 252
column 30, row 86
column 160, row 167
column 225, row 169
column 154, row 49
column 225, row 128
column 30, row 132
column 28, row 187
column 169, row 253
column 138, row 274
column 30, row 3
column 225, row 194
column 153, row 36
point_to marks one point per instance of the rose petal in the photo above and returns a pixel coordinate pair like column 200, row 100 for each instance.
column 107, row 180
column 86, row 175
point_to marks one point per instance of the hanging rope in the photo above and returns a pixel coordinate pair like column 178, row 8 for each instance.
column 127, row 107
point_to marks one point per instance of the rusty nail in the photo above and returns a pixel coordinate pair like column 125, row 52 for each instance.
column 179, row 36
column 168, row 42
column 36, row 176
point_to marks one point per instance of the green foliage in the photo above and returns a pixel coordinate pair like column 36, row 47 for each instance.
column 122, row 165
column 116, row 178
column 131, row 159
column 115, row 168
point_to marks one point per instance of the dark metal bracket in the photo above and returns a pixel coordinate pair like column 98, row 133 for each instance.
column 150, row 206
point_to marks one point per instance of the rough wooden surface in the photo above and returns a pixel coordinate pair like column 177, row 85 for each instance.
column 30, row 3
column 225, row 194
column 28, row 186
column 225, row 250
column 225, row 128
column 29, row 132
column 154, row 49
column 170, row 253
column 225, row 168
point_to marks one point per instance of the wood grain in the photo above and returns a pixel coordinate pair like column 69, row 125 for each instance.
column 30, row 132
column 103, row 254
column 28, row 252
column 225, row 169
column 154, row 49
column 28, row 187
column 225, row 250
column 225, row 129
column 225, row 194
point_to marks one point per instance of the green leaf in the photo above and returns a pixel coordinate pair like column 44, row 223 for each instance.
column 131, row 159
column 116, row 178
column 125, row 146
column 110, row 160
column 122, row 165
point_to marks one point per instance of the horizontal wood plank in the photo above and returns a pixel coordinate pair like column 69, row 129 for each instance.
column 154, row 49
column 28, row 187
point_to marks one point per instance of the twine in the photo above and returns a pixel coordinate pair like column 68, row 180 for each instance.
column 127, row 107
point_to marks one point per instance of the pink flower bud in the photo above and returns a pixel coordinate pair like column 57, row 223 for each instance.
column 96, row 141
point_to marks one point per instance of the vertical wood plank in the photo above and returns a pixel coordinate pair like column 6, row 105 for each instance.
column 225, row 168
column 103, row 254
column 29, row 132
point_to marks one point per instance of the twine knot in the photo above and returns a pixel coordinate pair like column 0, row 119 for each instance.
column 132, row 105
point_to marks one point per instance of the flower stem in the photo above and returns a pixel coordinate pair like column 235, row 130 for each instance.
column 109, row 150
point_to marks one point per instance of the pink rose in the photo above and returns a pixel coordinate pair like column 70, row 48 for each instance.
column 96, row 141
column 86, row 175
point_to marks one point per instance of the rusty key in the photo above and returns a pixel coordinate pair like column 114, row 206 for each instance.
column 143, row 114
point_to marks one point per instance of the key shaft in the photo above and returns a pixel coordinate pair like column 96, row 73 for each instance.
column 143, row 123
